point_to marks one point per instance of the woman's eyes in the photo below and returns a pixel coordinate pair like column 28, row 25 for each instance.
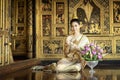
column 74, row 26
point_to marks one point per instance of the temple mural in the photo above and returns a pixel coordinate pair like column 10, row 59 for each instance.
column 93, row 14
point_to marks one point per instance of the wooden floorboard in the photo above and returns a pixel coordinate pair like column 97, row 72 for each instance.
column 18, row 66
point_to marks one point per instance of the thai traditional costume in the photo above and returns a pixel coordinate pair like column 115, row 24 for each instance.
column 71, row 62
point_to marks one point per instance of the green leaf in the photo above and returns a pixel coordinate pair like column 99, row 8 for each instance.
column 95, row 57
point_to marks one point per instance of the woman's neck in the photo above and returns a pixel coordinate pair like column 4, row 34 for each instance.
column 77, row 34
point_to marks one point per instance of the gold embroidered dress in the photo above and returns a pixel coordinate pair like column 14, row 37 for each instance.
column 69, row 63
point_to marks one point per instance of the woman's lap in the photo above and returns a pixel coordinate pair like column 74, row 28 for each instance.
column 64, row 65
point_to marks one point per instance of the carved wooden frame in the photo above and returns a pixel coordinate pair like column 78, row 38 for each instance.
column 113, row 24
column 65, row 15
column 51, row 43
column 48, row 25
column 115, row 8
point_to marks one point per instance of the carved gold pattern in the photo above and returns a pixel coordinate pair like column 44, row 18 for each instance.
column 29, row 28
column 19, row 27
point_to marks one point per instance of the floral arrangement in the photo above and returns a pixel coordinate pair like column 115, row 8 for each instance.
column 92, row 52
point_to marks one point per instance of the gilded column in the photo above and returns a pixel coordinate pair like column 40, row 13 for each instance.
column 29, row 28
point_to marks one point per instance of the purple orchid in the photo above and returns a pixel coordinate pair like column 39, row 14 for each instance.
column 101, row 50
column 87, row 48
column 98, row 48
column 91, row 44
column 83, row 52
column 100, row 56
column 94, row 52
column 91, row 50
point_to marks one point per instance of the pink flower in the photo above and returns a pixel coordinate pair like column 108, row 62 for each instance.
column 101, row 50
column 99, row 56
column 83, row 52
column 98, row 48
column 91, row 44
column 87, row 48
column 94, row 52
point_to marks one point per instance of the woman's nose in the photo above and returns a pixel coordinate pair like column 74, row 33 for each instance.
column 73, row 28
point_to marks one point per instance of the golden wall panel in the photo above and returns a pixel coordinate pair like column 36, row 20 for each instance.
column 51, row 28
column 100, row 20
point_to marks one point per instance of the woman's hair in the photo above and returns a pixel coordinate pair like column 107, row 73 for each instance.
column 75, row 20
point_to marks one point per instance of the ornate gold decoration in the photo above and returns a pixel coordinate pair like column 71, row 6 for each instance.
column 88, row 10
column 75, row 15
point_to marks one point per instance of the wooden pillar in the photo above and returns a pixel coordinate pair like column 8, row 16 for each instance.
column 29, row 28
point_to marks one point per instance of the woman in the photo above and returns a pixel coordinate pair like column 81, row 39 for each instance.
column 72, row 60
column 75, row 41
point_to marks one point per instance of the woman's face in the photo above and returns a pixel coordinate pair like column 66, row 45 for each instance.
column 75, row 27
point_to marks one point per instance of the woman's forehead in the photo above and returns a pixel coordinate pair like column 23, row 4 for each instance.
column 73, row 23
